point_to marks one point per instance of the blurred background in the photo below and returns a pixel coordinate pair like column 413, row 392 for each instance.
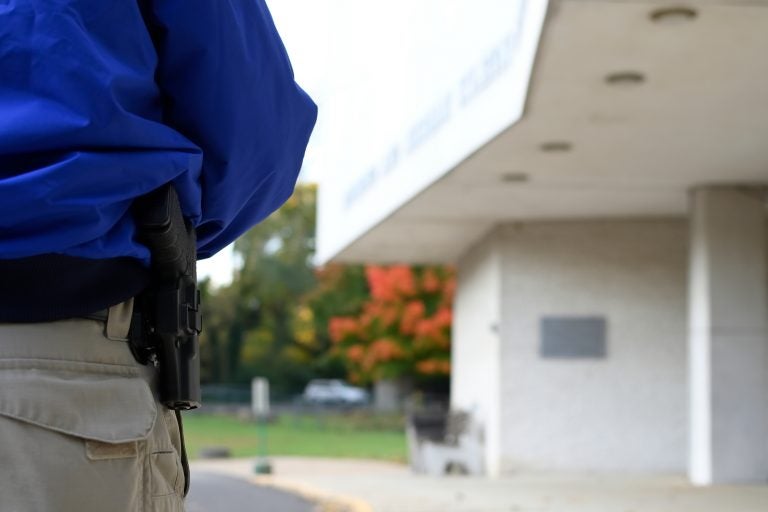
column 525, row 267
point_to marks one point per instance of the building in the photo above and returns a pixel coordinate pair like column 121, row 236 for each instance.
column 597, row 171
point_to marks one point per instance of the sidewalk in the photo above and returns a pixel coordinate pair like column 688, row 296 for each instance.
column 370, row 486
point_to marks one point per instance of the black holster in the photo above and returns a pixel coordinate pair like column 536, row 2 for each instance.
column 168, row 320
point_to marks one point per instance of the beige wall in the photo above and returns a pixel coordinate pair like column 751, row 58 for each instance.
column 625, row 412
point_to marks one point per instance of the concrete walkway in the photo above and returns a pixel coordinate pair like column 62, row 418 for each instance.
column 368, row 486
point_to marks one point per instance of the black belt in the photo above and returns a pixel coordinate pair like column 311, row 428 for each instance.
column 53, row 287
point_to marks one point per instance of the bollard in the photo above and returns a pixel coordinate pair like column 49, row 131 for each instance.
column 260, row 410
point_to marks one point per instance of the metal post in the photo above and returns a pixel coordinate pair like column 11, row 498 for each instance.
column 260, row 409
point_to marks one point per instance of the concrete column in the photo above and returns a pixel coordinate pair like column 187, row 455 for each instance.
column 476, row 358
column 728, row 337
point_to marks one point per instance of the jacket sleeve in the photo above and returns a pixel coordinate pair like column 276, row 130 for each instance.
column 227, row 85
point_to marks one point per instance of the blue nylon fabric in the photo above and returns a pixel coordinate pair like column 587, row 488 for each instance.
column 102, row 101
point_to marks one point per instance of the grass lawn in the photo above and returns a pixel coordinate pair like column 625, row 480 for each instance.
column 337, row 435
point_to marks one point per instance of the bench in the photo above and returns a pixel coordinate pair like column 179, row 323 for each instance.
column 441, row 442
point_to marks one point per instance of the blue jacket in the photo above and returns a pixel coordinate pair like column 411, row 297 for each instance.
column 102, row 101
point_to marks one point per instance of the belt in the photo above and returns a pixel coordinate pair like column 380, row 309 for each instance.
column 52, row 287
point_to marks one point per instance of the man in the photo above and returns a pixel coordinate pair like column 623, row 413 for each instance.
column 101, row 102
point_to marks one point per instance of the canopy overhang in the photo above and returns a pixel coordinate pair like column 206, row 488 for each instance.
column 626, row 112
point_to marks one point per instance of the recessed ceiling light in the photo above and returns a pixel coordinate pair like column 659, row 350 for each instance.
column 556, row 146
column 625, row 79
column 673, row 15
column 514, row 177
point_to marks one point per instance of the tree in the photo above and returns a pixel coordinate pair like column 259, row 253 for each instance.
column 403, row 329
column 340, row 290
column 284, row 319
column 250, row 325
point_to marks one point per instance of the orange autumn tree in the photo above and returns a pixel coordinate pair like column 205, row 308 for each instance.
column 404, row 328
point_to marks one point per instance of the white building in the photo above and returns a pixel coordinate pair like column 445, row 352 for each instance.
column 597, row 171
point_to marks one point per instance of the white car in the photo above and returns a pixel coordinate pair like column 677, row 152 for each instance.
column 333, row 391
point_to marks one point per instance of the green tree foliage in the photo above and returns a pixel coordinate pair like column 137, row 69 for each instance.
column 219, row 317
column 249, row 325
column 276, row 273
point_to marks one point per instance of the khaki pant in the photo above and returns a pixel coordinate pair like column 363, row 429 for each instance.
column 80, row 428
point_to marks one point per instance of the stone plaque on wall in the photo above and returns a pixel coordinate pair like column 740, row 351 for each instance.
column 573, row 337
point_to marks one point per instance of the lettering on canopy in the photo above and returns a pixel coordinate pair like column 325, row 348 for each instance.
column 473, row 83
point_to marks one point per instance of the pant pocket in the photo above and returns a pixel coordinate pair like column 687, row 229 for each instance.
column 165, row 457
column 107, row 403
column 74, row 436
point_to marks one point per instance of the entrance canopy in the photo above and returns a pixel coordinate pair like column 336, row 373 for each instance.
column 629, row 107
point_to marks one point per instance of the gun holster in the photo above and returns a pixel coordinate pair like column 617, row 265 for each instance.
column 167, row 322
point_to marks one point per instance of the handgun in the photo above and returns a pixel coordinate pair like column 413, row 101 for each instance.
column 170, row 309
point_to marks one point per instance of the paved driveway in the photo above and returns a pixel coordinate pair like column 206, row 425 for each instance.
column 212, row 492
column 366, row 486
